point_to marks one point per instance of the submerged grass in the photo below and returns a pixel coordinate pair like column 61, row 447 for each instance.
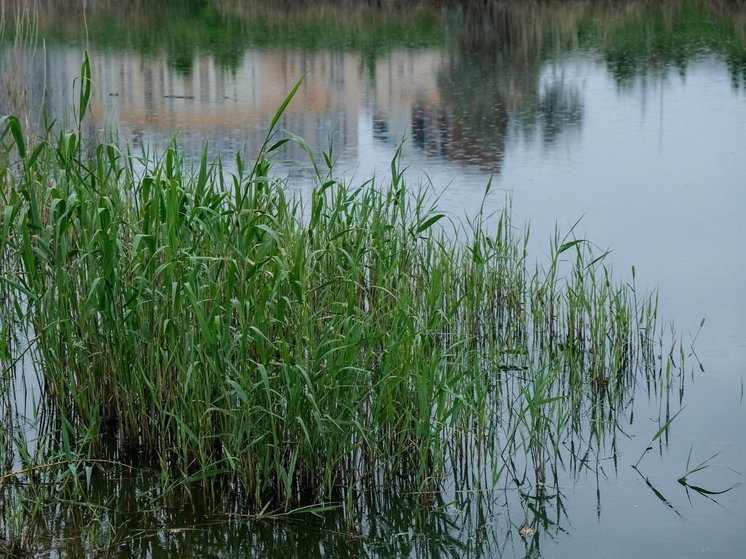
column 208, row 324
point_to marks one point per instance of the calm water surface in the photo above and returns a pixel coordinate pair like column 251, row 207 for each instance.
column 630, row 118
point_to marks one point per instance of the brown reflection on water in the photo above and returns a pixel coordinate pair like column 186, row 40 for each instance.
column 481, row 76
column 212, row 101
column 455, row 103
column 424, row 95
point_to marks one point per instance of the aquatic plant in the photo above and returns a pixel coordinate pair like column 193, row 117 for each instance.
column 206, row 324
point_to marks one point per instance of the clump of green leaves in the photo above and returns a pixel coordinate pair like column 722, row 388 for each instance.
column 204, row 321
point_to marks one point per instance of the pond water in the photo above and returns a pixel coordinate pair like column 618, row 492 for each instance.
column 630, row 117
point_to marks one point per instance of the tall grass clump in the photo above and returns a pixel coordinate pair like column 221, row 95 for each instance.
column 208, row 323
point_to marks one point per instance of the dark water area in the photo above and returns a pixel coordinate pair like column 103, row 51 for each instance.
column 627, row 116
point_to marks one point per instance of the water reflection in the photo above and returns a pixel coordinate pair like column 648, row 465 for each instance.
column 480, row 524
column 493, row 502
column 463, row 82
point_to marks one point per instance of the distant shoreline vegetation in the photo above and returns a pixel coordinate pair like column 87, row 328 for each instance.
column 680, row 31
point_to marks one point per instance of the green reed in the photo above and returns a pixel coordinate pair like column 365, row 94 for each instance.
column 204, row 321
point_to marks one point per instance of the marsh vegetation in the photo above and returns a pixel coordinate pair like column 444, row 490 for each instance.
column 296, row 353
column 188, row 342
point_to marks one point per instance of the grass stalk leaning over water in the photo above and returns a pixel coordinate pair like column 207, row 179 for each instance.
column 209, row 323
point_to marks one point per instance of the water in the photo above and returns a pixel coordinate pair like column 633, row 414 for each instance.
column 631, row 117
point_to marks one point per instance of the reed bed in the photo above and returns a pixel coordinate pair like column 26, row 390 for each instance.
column 294, row 351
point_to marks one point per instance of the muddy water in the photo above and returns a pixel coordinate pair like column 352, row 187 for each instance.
column 629, row 117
